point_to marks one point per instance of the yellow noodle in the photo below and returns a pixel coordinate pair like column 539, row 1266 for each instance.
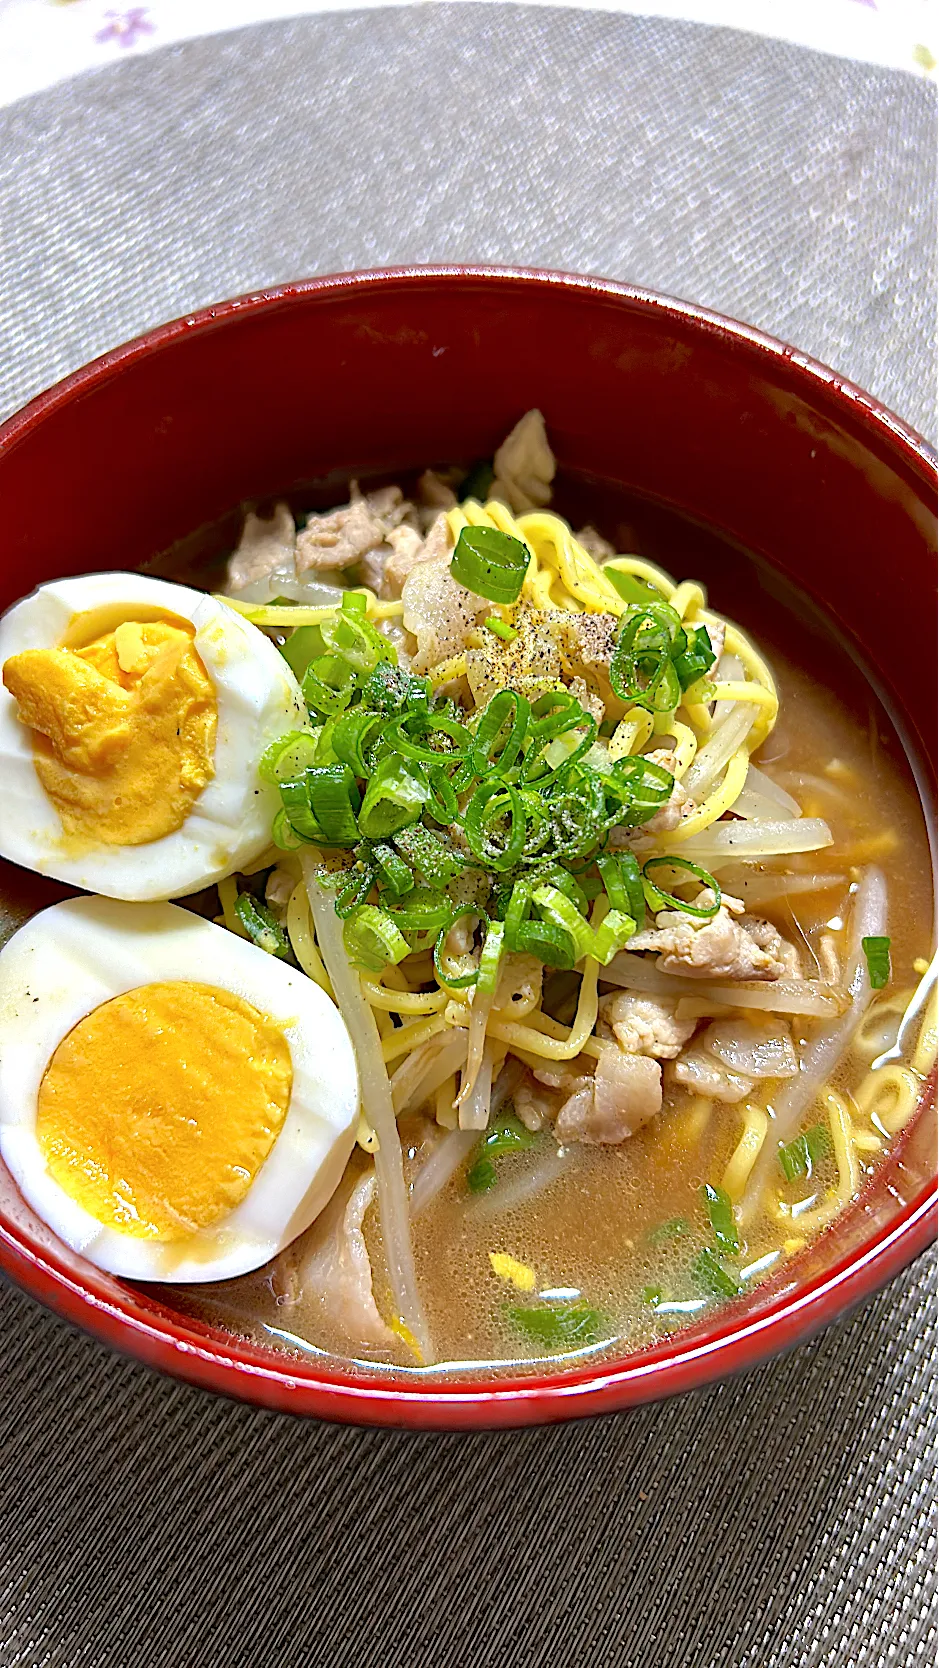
column 686, row 746
column 404, row 1038
column 889, row 1097
column 631, row 733
column 267, row 614
column 564, row 1047
column 448, row 670
column 924, row 1055
column 721, row 800
column 687, row 598
column 849, row 1175
column 404, row 1002
column 643, row 570
column 751, row 692
column 746, row 1152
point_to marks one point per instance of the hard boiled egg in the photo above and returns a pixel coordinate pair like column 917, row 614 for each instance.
column 133, row 714
column 174, row 1103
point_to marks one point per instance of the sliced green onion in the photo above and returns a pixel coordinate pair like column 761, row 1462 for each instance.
column 442, row 804
column 490, row 959
column 721, row 1212
column 261, row 926
column 500, row 733
column 333, row 800
column 395, row 796
column 354, row 602
column 354, row 891
column 389, row 686
column 559, row 1326
column 622, row 883
column 558, row 911
column 299, row 812
column 328, row 684
column 658, row 899
column 803, row 1155
column 509, row 1135
column 637, row 787
column 652, row 1295
column 499, row 628
column 423, row 911
column 353, row 639
column 408, row 736
column 877, row 951
column 492, row 804
column 283, row 834
column 612, row 935
column 629, row 585
column 548, row 942
column 351, row 735
column 453, row 981
column 490, row 563
column 300, row 648
column 372, row 940
column 481, row 1175
column 435, row 862
column 674, row 1228
column 641, row 670
column 697, row 658
column 710, row 1276
column 288, row 757
column 393, row 872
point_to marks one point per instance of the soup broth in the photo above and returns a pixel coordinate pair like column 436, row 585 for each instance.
column 614, row 1246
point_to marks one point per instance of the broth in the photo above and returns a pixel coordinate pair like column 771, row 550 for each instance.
column 621, row 1228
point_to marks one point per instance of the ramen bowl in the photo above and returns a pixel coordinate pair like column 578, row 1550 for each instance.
column 690, row 421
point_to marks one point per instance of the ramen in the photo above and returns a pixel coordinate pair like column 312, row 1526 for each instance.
column 628, row 928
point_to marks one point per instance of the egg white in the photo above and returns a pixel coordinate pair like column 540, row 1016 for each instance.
column 257, row 699
column 68, row 960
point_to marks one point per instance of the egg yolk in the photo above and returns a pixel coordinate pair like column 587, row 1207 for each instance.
column 158, row 1110
column 124, row 729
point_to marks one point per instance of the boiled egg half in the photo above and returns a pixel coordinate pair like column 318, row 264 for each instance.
column 174, row 1103
column 133, row 714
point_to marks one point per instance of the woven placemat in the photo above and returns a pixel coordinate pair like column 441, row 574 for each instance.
column 778, row 1521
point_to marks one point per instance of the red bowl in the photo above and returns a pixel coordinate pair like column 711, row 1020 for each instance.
column 381, row 372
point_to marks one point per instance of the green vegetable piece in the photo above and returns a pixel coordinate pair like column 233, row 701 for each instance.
column 333, row 800
column 674, row 1228
column 303, row 644
column 372, row 940
column 499, row 628
column 509, row 1135
column 803, row 1155
column 288, row 757
column 490, row 563
column 261, row 926
column 877, row 951
column 630, row 587
column 652, row 1296
column 721, row 1212
column 711, row 1277
column 481, row 1176
column 396, row 794
column 658, row 899
column 560, row 1326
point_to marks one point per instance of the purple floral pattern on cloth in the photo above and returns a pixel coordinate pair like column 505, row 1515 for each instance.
column 127, row 27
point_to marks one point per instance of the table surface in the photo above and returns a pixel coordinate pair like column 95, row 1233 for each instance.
column 781, row 1520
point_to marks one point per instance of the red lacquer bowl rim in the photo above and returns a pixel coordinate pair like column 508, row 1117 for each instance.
column 685, row 1362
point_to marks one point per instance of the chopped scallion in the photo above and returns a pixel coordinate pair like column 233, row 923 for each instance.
column 877, row 951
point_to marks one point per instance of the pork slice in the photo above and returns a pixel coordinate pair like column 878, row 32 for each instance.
column 645, row 1024
column 625, row 1092
column 719, row 948
column 267, row 544
column 524, row 466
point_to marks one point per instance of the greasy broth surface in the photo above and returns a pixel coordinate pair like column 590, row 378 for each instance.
column 587, row 1232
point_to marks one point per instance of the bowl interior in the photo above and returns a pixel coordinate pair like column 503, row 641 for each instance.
column 704, row 441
